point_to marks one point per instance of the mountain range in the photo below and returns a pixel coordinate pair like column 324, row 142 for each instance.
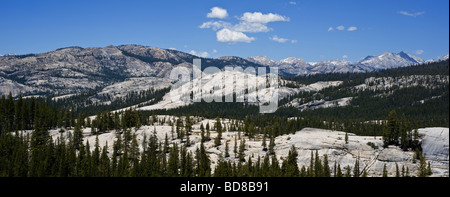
column 295, row 66
column 75, row 69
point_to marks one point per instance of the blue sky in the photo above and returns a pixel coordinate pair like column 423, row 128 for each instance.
column 310, row 29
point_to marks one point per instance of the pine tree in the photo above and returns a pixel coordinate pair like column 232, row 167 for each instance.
column 429, row 172
column 292, row 167
column 202, row 133
column 346, row 138
column 272, row 145
column 173, row 165
column 318, row 168
column 356, row 171
column 235, row 150
column 134, row 152
column 403, row 171
column 241, row 154
column 265, row 167
column 326, row 167
column 311, row 171
column 348, row 172
column 397, row 170
column 264, row 145
column 422, row 168
column 95, row 159
column 104, row 169
column 275, row 170
column 385, row 173
column 188, row 170
column 364, row 174
column 203, row 162
column 227, row 153
column 218, row 126
column 339, row 171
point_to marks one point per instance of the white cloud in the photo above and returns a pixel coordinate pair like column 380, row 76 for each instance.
column 215, row 25
column 352, row 29
column 419, row 52
column 199, row 54
column 411, row 14
column 230, row 36
column 243, row 26
column 330, row 29
column 340, row 27
column 214, row 51
column 292, row 2
column 217, row 12
column 258, row 17
column 278, row 39
column 294, row 41
column 344, row 56
column 248, row 23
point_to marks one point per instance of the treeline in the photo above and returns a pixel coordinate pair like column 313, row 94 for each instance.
column 22, row 114
column 83, row 103
column 39, row 156
column 368, row 105
column 433, row 68
column 400, row 132
column 234, row 110
column 283, row 121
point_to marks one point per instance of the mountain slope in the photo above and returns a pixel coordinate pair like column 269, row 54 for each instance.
column 76, row 70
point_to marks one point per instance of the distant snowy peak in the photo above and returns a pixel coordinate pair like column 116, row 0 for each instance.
column 297, row 66
column 337, row 62
column 390, row 60
column 443, row 58
column 292, row 60
column 263, row 60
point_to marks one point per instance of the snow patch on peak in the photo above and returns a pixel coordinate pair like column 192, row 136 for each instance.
column 445, row 57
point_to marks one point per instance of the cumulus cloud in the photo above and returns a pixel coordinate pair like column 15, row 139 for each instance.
column 230, row 36
column 292, row 2
column 217, row 12
column 413, row 14
column 258, row 17
column 255, row 22
column 294, row 41
column 199, row 54
column 340, row 28
column 278, row 39
column 330, row 29
column 352, row 29
column 344, row 56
